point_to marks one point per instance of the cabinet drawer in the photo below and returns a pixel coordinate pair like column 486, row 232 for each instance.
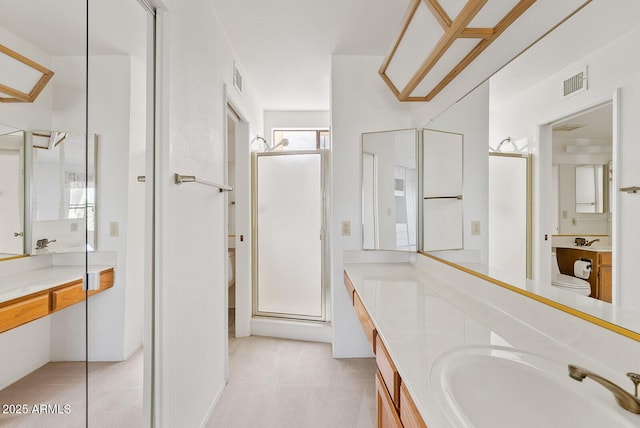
column 349, row 285
column 408, row 413
column 386, row 412
column 365, row 320
column 67, row 296
column 23, row 311
column 388, row 371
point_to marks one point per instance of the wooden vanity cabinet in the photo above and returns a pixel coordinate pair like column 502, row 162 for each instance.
column 67, row 295
column 394, row 405
column 349, row 285
column 409, row 415
column 387, row 415
column 388, row 372
column 22, row 310
column 72, row 293
column 600, row 279
column 365, row 321
column 605, row 277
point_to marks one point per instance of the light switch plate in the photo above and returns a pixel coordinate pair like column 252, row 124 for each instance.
column 475, row 228
column 114, row 229
column 346, row 228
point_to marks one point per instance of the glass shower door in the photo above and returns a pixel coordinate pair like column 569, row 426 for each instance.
column 289, row 228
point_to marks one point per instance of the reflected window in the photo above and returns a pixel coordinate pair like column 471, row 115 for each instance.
column 302, row 139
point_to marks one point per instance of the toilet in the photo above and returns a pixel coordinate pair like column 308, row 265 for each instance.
column 231, row 267
column 567, row 282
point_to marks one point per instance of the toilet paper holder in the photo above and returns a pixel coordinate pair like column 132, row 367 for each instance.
column 582, row 268
column 583, row 259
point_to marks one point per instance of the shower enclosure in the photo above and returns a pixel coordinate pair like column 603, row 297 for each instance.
column 289, row 228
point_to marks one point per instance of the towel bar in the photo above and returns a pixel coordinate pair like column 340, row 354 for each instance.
column 179, row 178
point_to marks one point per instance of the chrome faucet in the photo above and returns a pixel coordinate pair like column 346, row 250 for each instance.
column 588, row 244
column 624, row 399
column 41, row 244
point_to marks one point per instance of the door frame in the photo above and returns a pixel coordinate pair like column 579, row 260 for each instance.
column 543, row 171
column 325, row 291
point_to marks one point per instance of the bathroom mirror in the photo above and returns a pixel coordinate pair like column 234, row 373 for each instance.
column 12, row 192
column 589, row 188
column 521, row 105
column 389, row 190
column 64, row 192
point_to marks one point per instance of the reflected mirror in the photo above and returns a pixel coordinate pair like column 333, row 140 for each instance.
column 12, row 192
column 64, row 192
column 589, row 188
column 389, row 190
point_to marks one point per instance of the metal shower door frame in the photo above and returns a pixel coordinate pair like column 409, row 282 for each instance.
column 323, row 237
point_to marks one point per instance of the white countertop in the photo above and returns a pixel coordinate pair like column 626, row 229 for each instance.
column 593, row 248
column 420, row 317
column 33, row 281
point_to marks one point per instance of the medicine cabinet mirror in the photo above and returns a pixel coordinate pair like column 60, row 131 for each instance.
column 389, row 190
column 12, row 192
column 64, row 192
column 591, row 188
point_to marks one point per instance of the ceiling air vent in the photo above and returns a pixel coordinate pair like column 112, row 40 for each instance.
column 575, row 84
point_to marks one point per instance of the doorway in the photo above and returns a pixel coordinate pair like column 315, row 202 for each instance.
column 580, row 207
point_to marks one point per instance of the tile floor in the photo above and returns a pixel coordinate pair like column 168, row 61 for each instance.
column 115, row 395
column 278, row 383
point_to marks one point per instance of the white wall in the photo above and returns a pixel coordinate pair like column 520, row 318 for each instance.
column 192, row 285
column 360, row 102
column 109, row 115
column 519, row 112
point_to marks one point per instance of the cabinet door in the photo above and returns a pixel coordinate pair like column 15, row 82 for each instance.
column 365, row 320
column 442, row 190
column 605, row 279
column 386, row 411
column 408, row 412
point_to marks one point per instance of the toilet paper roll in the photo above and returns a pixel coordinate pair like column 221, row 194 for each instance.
column 582, row 269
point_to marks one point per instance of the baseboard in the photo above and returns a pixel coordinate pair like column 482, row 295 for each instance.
column 292, row 329
column 16, row 377
column 213, row 405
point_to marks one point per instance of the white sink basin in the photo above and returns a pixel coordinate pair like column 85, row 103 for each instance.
column 499, row 387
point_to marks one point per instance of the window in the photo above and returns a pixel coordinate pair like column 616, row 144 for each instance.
column 302, row 139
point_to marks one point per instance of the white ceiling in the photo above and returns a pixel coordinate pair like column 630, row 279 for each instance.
column 59, row 27
column 285, row 46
